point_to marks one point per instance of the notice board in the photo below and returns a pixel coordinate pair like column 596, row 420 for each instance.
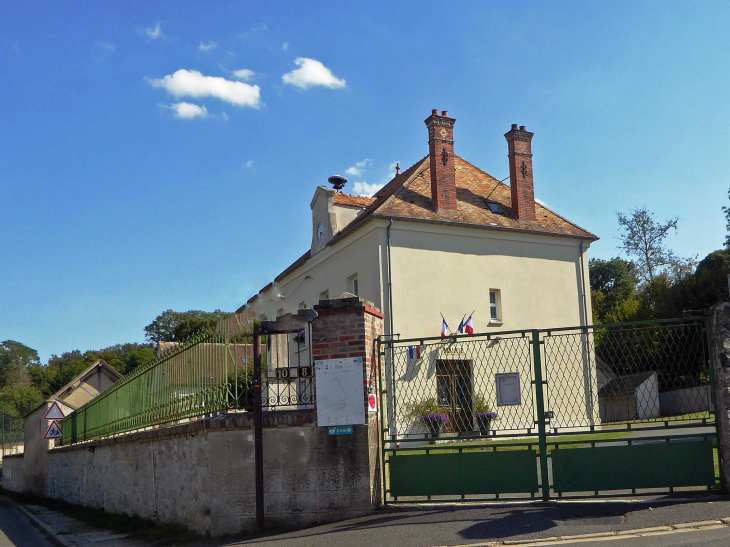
column 340, row 391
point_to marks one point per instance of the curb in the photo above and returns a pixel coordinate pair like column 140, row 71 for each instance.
column 50, row 532
column 620, row 534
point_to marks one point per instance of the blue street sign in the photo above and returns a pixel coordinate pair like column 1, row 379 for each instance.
column 340, row 430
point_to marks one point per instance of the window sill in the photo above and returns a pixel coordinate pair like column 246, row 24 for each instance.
column 495, row 323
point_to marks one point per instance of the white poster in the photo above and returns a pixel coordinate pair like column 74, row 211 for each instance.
column 340, row 392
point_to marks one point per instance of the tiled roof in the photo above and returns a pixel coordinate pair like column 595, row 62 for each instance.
column 413, row 201
column 408, row 197
column 353, row 201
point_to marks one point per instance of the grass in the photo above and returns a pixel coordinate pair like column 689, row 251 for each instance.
column 577, row 441
column 139, row 528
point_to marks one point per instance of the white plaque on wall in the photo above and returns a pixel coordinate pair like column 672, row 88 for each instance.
column 340, row 392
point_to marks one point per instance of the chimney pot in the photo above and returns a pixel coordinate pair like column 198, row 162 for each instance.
column 435, row 112
column 445, row 113
column 514, row 126
column 522, row 128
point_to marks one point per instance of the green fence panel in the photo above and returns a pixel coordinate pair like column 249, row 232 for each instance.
column 660, row 465
column 464, row 473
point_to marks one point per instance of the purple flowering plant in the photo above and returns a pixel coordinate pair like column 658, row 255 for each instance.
column 436, row 418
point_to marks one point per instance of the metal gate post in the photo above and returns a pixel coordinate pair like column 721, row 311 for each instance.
column 258, row 420
column 381, row 394
column 707, row 331
column 539, row 399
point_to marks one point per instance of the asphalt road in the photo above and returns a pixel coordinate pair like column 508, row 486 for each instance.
column 16, row 530
column 460, row 525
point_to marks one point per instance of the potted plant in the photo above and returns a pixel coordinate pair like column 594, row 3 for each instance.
column 429, row 412
column 483, row 415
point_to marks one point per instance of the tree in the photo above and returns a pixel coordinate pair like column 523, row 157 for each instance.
column 726, row 210
column 172, row 326
column 18, row 400
column 613, row 282
column 15, row 361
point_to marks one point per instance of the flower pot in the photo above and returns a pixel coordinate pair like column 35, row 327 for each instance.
column 485, row 424
column 434, row 427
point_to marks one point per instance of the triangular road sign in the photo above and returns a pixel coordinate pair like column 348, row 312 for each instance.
column 54, row 413
column 54, row 431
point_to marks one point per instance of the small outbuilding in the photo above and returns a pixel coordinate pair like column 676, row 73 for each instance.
column 630, row 397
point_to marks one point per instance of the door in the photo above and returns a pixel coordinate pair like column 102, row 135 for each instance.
column 454, row 387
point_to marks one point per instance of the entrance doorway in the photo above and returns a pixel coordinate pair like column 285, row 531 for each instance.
column 454, row 387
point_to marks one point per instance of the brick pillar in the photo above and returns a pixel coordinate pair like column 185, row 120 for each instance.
column 720, row 332
column 348, row 327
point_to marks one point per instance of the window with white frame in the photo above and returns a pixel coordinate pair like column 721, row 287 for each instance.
column 495, row 306
column 352, row 285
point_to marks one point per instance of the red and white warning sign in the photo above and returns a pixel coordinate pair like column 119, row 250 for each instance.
column 54, row 413
column 54, row 431
column 372, row 403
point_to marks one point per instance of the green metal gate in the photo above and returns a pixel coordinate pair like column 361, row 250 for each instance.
column 604, row 410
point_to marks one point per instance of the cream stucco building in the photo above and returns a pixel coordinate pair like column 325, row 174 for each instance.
column 444, row 237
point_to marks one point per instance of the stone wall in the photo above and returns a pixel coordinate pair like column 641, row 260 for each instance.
column 13, row 477
column 201, row 474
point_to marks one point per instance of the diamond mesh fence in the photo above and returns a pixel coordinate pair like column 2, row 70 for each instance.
column 484, row 385
column 647, row 372
column 460, row 386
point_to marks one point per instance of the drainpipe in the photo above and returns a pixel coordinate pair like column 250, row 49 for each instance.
column 583, row 286
column 390, row 282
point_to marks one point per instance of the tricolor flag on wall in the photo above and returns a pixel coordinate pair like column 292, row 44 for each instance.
column 444, row 328
column 414, row 352
column 469, row 326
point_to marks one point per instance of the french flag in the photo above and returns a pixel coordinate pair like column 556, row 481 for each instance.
column 469, row 326
column 444, row 328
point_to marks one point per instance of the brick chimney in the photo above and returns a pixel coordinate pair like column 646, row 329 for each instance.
column 519, row 143
column 441, row 151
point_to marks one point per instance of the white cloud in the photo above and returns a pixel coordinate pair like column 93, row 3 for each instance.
column 245, row 75
column 258, row 28
column 187, row 111
column 285, row 46
column 249, row 164
column 365, row 189
column 191, row 83
column 208, row 46
column 357, row 169
column 153, row 33
column 108, row 45
column 311, row 73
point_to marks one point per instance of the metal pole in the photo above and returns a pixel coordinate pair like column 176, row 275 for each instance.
column 540, row 414
column 11, row 438
column 258, row 420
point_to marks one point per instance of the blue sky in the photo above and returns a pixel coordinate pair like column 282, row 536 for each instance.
column 163, row 155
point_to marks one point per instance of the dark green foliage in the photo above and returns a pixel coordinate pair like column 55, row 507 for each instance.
column 15, row 360
column 173, row 326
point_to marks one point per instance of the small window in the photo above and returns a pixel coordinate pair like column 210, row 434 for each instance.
column 324, row 295
column 495, row 306
column 352, row 285
column 508, row 389
column 495, row 207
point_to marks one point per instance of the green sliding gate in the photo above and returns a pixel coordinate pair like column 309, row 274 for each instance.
column 603, row 410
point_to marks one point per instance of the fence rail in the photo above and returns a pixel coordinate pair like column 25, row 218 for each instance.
column 208, row 373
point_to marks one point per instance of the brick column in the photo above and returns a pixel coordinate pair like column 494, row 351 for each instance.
column 348, row 327
column 720, row 332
